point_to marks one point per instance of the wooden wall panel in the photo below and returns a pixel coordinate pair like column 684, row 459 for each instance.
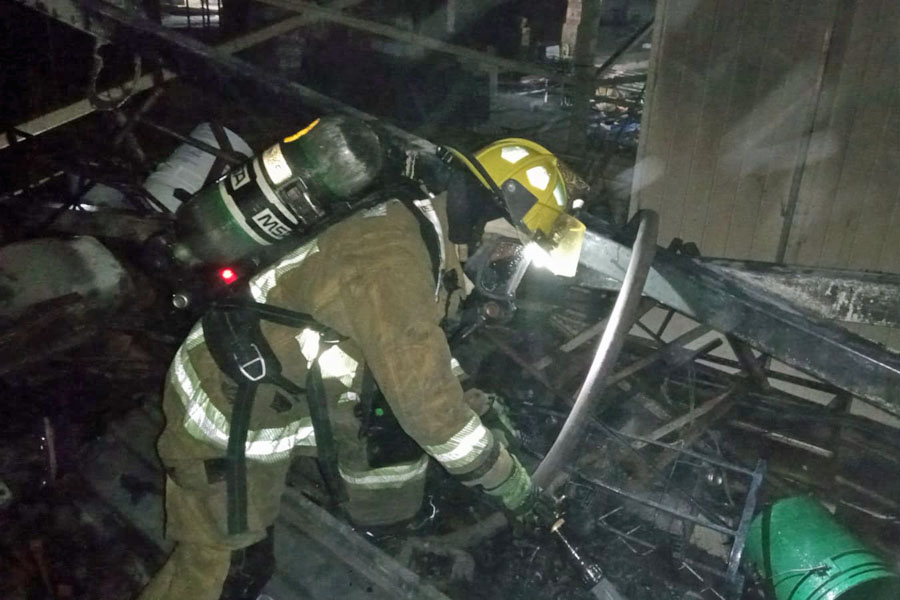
column 662, row 84
column 848, row 193
column 838, row 109
column 772, row 132
column 698, row 150
column 792, row 103
column 740, row 123
column 762, row 18
column 688, row 102
column 775, row 135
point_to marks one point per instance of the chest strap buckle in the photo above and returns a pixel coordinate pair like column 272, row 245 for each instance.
column 257, row 363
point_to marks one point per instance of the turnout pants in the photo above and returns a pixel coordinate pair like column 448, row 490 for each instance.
column 210, row 562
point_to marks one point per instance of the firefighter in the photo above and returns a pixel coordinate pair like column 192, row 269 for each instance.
column 372, row 287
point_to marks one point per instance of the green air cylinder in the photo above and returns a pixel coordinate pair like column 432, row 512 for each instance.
column 804, row 554
column 286, row 190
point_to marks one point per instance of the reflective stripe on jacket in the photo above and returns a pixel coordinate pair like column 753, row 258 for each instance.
column 204, row 421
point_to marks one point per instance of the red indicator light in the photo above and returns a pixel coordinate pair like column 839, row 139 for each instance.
column 228, row 275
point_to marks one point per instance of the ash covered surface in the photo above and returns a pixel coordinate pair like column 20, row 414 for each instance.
column 60, row 542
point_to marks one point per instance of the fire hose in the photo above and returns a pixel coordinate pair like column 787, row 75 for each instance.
column 549, row 474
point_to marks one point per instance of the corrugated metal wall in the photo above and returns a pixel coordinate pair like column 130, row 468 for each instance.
column 772, row 131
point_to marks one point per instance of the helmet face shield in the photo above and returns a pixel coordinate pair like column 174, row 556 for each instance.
column 553, row 237
column 566, row 240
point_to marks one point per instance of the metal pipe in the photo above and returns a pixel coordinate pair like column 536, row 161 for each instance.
column 67, row 114
column 689, row 417
column 843, row 481
column 870, row 512
column 626, row 536
column 749, row 363
column 781, row 438
column 532, row 408
column 743, row 529
column 707, row 459
column 812, row 384
column 620, row 321
column 661, row 354
column 50, row 441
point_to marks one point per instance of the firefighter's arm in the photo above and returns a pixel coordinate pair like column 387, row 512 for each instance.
column 394, row 318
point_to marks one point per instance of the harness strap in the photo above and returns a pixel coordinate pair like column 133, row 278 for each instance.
column 236, row 343
column 326, row 445
column 236, row 462
column 219, row 166
column 367, row 393
column 275, row 314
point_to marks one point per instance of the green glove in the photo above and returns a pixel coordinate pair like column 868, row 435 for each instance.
column 517, row 493
column 496, row 418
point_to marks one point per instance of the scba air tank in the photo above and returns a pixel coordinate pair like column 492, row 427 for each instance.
column 286, row 190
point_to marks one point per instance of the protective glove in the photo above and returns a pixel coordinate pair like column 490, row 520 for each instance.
column 494, row 415
column 498, row 421
column 525, row 506
column 517, row 492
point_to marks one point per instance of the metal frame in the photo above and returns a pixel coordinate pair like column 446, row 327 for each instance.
column 483, row 59
column 84, row 107
column 214, row 66
column 752, row 314
column 732, row 574
column 83, row 15
column 835, row 294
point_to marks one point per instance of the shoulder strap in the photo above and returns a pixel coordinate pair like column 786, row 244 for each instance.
column 267, row 312
column 219, row 166
column 236, row 343
column 326, row 444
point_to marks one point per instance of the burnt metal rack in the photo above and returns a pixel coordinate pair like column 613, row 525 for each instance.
column 731, row 576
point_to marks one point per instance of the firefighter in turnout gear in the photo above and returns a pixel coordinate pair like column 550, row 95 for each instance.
column 369, row 287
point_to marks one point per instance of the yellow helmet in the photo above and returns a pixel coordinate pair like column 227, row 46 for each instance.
column 527, row 177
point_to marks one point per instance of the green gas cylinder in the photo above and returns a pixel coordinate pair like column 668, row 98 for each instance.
column 286, row 190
